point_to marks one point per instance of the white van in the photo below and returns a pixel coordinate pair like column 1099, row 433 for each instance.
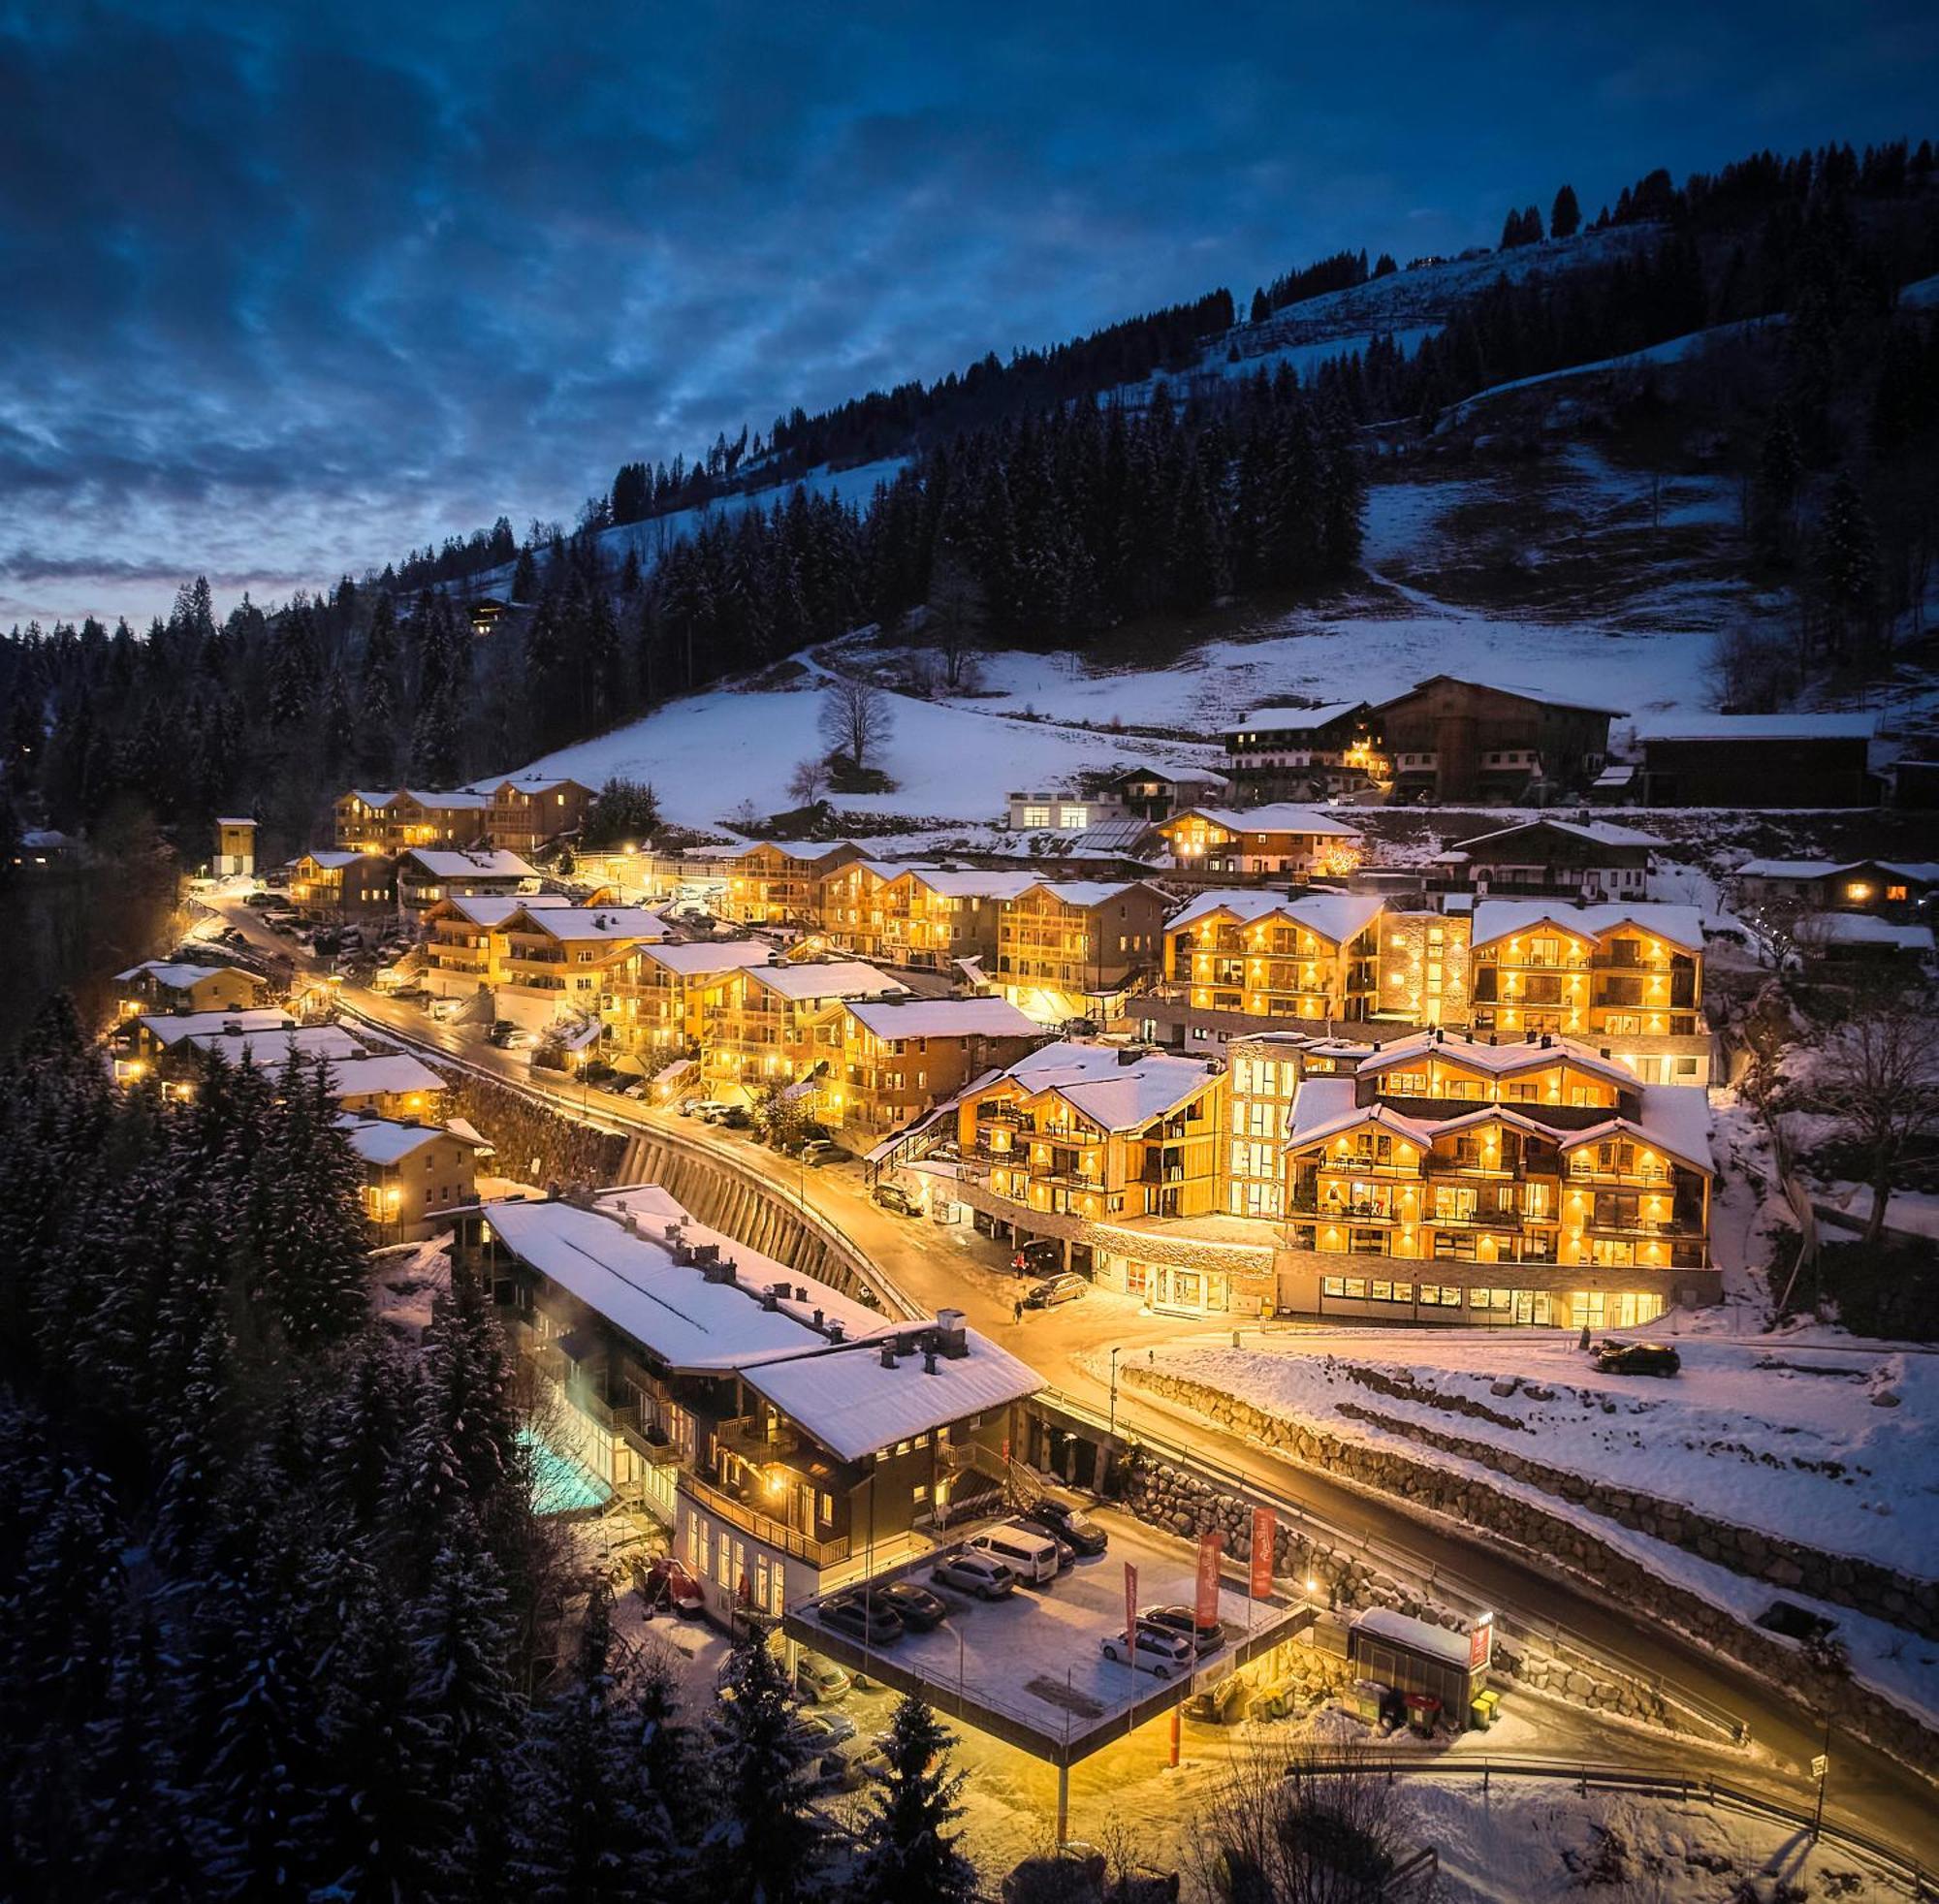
column 1029, row 1553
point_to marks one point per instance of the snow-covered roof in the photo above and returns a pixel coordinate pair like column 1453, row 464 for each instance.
column 630, row 1277
column 833, row 978
column 1282, row 816
column 1108, row 837
column 170, row 1030
column 1086, row 893
column 1862, row 929
column 1924, row 872
column 490, row 909
column 1498, row 1059
column 524, row 783
column 1323, row 1107
column 328, row 859
column 1061, row 1062
column 949, row 882
column 1599, row 833
column 273, row 1046
column 459, row 799
column 1297, row 719
column 703, row 958
column 854, row 1405
column 1130, row 1096
column 944, row 1018
column 1509, row 918
column 1336, row 917
column 1423, row 1636
column 1758, row 727
column 495, row 864
column 1674, row 1117
column 377, row 1140
column 177, row 976
column 592, row 923
column 235, row 820
column 1521, row 690
column 393, row 1071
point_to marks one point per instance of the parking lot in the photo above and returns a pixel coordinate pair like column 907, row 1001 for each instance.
column 1030, row 1670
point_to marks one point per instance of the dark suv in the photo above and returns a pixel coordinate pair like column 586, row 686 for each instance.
column 1638, row 1358
column 1043, row 1257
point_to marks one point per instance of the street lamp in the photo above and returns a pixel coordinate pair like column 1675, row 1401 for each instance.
column 1114, row 1392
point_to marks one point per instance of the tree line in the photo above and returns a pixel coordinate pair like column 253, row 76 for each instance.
column 279, row 1618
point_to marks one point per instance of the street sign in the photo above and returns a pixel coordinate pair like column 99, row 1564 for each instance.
column 1481, row 1643
column 1207, row 1608
column 1131, row 1613
column 1820, row 1764
column 1265, row 1535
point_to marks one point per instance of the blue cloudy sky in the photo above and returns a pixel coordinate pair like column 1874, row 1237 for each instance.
column 288, row 288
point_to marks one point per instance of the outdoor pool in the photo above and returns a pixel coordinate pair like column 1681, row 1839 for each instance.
column 560, row 1485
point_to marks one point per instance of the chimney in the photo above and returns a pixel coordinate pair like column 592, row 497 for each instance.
column 951, row 1336
column 835, row 1330
column 817, row 1318
column 770, row 1300
column 889, row 1354
column 801, row 1293
column 929, row 1361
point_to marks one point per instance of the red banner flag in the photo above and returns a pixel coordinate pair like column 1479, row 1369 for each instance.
column 1208, row 1578
column 1131, row 1613
column 1266, row 1537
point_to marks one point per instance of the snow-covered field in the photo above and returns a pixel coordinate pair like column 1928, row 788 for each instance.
column 1837, row 1448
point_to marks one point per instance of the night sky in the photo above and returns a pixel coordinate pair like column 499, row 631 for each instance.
column 291, row 288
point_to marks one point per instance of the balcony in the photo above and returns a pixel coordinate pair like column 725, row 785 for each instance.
column 764, row 1527
column 747, row 1436
column 1653, row 1175
column 647, row 1438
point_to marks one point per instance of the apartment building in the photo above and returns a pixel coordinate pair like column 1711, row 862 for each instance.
column 370, row 821
column 770, row 885
column 426, row 876
column 394, row 1086
column 556, row 961
column 1069, row 948
column 464, row 947
column 1304, row 753
column 341, row 884
column 526, row 812
column 787, row 1437
column 1592, row 860
column 1268, row 955
column 181, row 985
column 1530, row 1183
column 775, row 1023
column 1260, row 841
column 1627, row 977
column 1427, row 967
column 1265, row 1071
column 661, row 1000
column 415, row 1175
column 901, row 1056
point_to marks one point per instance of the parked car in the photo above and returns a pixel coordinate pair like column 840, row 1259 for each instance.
column 918, row 1609
column 1043, row 1257
column 974, row 1574
column 1028, row 1552
column 520, row 1041
column 702, row 1107
column 736, row 1117
column 894, row 1198
column 1066, row 1286
column 1638, row 1358
column 1160, row 1652
column 862, row 1617
column 1183, row 1620
column 668, row 1583
column 1071, row 1525
column 819, row 1150
column 259, row 899
column 820, row 1680
column 823, row 1731
column 501, row 1030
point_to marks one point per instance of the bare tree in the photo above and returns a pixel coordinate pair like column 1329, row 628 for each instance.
column 1878, row 1073
column 856, row 718
column 958, row 611
column 1319, row 1827
column 809, row 781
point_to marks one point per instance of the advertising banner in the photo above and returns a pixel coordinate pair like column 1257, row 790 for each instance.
column 1265, row 1535
column 1208, row 1577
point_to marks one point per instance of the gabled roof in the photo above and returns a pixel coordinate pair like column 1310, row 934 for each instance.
column 377, row 1140
column 1924, row 872
column 1510, row 918
column 1086, row 893
column 1862, row 929
column 1520, row 693
column 953, row 882
column 1498, row 1059
column 329, row 859
column 273, row 1046
column 1282, row 816
column 703, row 958
column 451, row 865
column 1675, row 1119
column 1297, row 720
column 1598, row 832
column 490, row 910
column 394, row 1071
column 526, row 783
column 834, row 978
column 171, row 1030
column 1336, row 917
column 1134, row 1095
column 178, row 975
column 587, row 924
column 944, row 1018
column 1324, row 1108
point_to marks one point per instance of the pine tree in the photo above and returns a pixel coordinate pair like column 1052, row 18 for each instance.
column 525, row 575
column 1565, row 220
column 764, row 1845
column 904, row 1855
column 314, row 1250
column 1848, row 562
column 1780, row 474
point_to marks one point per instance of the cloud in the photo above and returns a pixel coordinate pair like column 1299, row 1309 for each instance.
column 292, row 289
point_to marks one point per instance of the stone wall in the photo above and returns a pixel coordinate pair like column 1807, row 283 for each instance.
column 1817, row 1679
column 520, row 1128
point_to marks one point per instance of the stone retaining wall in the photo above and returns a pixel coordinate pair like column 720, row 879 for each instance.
column 1816, row 1677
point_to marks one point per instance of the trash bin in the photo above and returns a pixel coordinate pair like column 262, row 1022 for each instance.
column 1423, row 1713
column 1369, row 1695
column 1483, row 1713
